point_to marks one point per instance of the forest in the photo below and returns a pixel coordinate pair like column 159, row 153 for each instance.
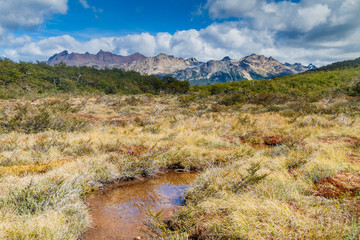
column 25, row 78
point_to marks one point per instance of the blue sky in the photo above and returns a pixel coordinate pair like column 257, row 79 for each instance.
column 108, row 18
column 307, row 31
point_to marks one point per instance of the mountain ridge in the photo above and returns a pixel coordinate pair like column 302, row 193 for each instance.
column 100, row 60
column 250, row 67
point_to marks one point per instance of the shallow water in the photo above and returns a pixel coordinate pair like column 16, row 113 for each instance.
column 118, row 211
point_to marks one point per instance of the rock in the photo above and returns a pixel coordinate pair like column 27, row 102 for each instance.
column 161, row 64
column 102, row 59
column 226, row 70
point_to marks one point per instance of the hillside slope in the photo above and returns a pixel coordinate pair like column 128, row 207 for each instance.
column 19, row 79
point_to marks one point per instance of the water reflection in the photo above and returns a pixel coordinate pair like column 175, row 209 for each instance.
column 118, row 211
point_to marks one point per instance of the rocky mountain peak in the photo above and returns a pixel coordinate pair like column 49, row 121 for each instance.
column 104, row 54
column 250, row 67
column 192, row 59
column 63, row 53
column 101, row 60
column 227, row 58
column 137, row 55
column 255, row 57
column 311, row 66
column 164, row 56
column 162, row 64
column 101, row 52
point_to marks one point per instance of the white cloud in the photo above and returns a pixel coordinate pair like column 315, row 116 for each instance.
column 84, row 3
column 317, row 31
column 288, row 16
column 16, row 14
column 214, row 42
column 302, row 16
column 324, row 27
column 229, row 8
column 313, row 16
column 143, row 43
column 28, row 13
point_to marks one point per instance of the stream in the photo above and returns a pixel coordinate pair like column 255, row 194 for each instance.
column 118, row 211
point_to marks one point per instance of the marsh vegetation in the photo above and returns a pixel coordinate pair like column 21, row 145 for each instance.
column 265, row 173
column 272, row 166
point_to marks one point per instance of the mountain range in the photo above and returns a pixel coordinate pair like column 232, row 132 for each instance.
column 198, row 73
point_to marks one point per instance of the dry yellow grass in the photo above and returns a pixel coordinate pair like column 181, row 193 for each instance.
column 44, row 174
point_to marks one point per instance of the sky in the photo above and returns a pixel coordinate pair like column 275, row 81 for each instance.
column 305, row 31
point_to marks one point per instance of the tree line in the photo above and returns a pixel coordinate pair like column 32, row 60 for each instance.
column 23, row 78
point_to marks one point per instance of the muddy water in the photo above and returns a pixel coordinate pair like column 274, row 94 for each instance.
column 118, row 211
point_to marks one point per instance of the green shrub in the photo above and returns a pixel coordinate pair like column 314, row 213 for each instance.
column 34, row 199
column 33, row 119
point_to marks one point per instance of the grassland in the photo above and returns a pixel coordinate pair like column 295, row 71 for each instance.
column 275, row 171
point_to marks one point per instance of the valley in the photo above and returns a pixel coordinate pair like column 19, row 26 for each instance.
column 179, row 120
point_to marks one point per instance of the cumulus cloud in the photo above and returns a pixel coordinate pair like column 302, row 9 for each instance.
column 43, row 47
column 320, row 26
column 28, row 13
column 17, row 14
column 317, row 31
column 143, row 43
column 301, row 16
column 229, row 8
column 214, row 42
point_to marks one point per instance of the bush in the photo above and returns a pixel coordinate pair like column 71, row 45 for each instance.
column 34, row 199
column 33, row 119
column 232, row 99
